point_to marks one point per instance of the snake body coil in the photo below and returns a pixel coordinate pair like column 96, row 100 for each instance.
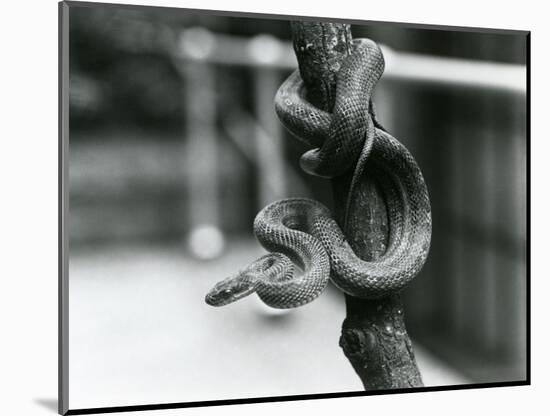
column 303, row 231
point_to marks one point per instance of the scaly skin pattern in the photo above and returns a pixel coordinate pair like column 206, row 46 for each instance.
column 303, row 231
column 286, row 229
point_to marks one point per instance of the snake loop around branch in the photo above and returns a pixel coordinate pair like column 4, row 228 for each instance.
column 303, row 232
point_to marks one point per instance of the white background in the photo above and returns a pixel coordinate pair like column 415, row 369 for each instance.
column 28, row 217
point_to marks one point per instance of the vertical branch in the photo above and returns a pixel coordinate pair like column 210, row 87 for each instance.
column 374, row 338
column 320, row 48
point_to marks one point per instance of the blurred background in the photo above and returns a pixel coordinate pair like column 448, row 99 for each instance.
column 174, row 148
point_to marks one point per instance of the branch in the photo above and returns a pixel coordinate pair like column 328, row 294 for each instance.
column 374, row 338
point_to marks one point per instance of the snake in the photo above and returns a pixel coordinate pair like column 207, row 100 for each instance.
column 306, row 246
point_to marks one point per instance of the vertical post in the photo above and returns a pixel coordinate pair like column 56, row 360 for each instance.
column 374, row 338
column 201, row 143
column 264, row 50
column 206, row 240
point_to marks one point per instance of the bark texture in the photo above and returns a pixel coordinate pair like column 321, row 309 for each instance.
column 374, row 337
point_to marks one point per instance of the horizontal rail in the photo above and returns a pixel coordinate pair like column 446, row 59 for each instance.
column 268, row 51
column 453, row 71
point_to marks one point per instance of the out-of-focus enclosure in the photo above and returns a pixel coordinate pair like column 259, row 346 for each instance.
column 174, row 148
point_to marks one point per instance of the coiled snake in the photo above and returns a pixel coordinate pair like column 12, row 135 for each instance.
column 303, row 232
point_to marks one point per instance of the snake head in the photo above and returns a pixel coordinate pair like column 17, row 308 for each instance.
column 231, row 289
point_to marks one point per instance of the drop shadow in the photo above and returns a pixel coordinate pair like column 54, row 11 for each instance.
column 49, row 404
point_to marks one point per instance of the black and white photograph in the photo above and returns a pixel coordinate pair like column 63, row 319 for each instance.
column 262, row 207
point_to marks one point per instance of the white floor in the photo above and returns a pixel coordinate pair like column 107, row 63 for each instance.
column 140, row 333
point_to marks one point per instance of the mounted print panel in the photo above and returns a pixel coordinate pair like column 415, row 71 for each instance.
column 263, row 207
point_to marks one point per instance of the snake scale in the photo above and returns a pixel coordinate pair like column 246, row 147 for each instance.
column 307, row 247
